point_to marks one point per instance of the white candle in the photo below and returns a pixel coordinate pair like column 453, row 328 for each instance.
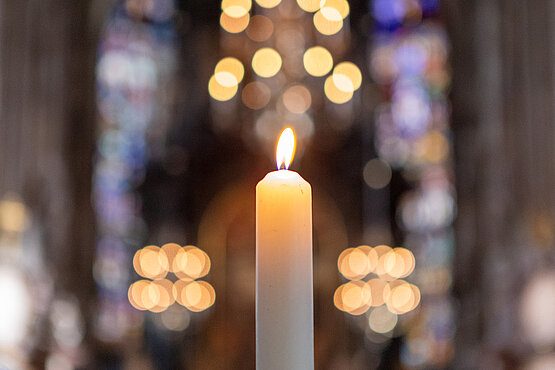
column 284, row 315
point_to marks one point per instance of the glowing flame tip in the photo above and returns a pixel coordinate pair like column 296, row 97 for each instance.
column 285, row 148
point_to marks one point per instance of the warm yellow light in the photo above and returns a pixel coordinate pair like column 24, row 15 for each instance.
column 408, row 259
column 229, row 72
column 343, row 83
column 236, row 8
column 398, row 263
column 197, row 296
column 358, row 262
column 347, row 71
column 343, row 264
column 433, row 147
column 355, row 263
column 234, row 25
column 334, row 10
column 334, row 94
column 256, row 95
column 171, row 250
column 285, row 148
column 372, row 259
column 297, row 99
column 266, row 62
column 353, row 297
column 394, row 264
column 309, row 5
column 219, row 92
column 135, row 294
column 325, row 26
column 164, row 295
column 226, row 79
column 382, row 252
column 178, row 289
column 376, row 288
column 317, row 61
column 149, row 262
column 192, row 263
column 268, row 3
column 12, row 215
column 401, row 297
column 260, row 28
column 150, row 295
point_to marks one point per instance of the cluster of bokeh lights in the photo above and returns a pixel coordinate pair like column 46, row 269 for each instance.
column 375, row 280
column 156, row 293
column 267, row 62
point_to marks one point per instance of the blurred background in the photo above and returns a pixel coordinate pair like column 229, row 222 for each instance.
column 133, row 133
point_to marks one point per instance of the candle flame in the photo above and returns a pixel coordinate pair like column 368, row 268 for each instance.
column 285, row 148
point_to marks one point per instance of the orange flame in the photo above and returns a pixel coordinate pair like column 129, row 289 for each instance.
column 285, row 150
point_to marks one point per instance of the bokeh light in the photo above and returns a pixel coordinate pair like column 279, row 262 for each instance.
column 234, row 25
column 317, row 61
column 150, row 263
column 536, row 310
column 433, row 147
column 198, row 296
column 268, row 3
column 347, row 71
column 344, row 264
column 13, row 216
column 260, row 28
column 325, row 26
column 334, row 94
column 193, row 263
column 220, row 92
column 381, row 320
column 236, row 8
column 171, row 250
column 401, row 297
column 334, row 10
column 165, row 291
column 256, row 95
column 376, row 173
column 175, row 318
column 309, row 5
column 297, row 99
column 353, row 297
column 187, row 263
column 377, row 290
column 229, row 72
column 135, row 293
column 356, row 265
column 266, row 62
column 15, row 308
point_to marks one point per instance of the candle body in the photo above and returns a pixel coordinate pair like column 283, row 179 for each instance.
column 284, row 308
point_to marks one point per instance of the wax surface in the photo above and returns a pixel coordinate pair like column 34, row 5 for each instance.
column 284, row 308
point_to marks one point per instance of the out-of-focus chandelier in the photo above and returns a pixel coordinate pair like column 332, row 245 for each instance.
column 158, row 291
column 279, row 64
column 375, row 280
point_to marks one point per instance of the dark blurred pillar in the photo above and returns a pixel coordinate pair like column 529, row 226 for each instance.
column 503, row 114
column 47, row 127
